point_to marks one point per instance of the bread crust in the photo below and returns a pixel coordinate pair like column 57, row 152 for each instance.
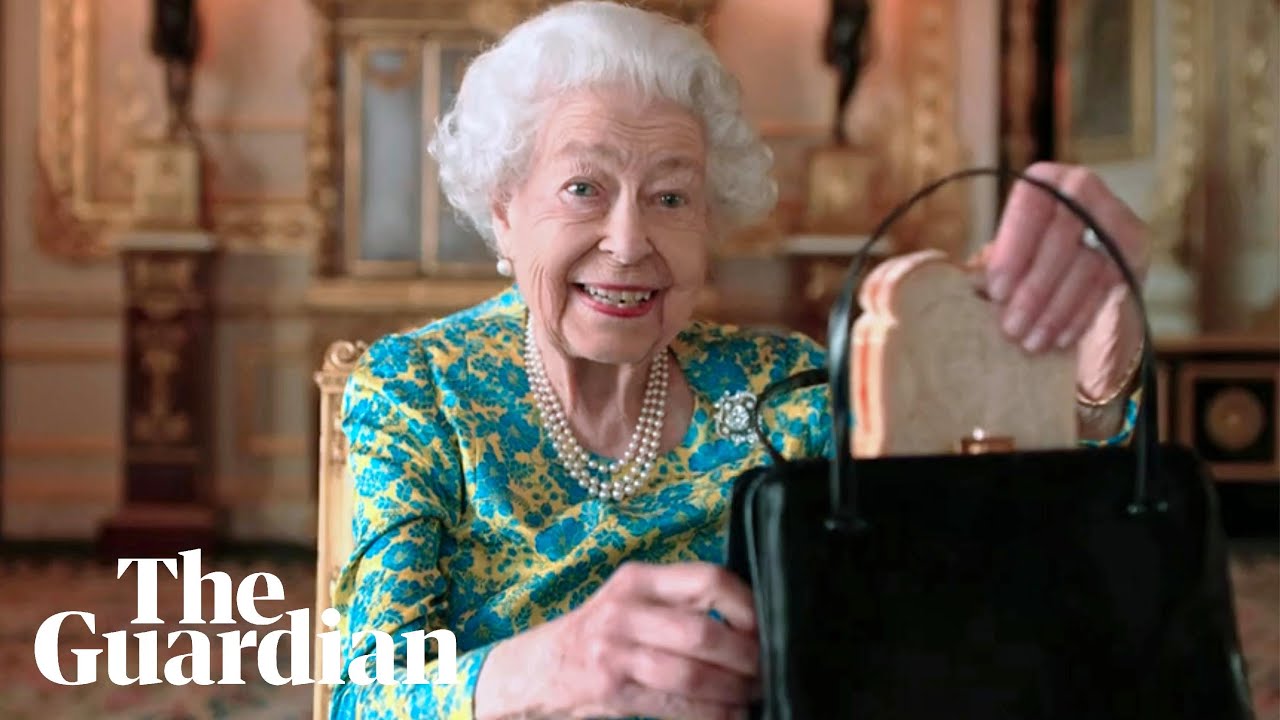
column 930, row 365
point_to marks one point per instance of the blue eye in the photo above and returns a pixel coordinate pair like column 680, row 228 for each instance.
column 581, row 189
column 671, row 200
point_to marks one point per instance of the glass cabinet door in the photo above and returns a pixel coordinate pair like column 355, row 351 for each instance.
column 454, row 248
column 396, row 219
column 389, row 159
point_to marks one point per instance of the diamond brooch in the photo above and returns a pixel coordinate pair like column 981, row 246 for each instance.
column 734, row 413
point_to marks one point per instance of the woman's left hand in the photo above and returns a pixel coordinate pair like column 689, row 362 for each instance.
column 1055, row 290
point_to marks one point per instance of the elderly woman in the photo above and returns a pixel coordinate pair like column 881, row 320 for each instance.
column 543, row 474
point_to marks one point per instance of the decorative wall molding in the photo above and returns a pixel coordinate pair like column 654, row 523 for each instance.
column 1257, row 64
column 244, row 491
column 237, row 304
column 56, row 305
column 30, row 488
column 922, row 137
column 62, row 446
column 23, row 488
column 1182, row 158
column 1018, row 84
column 1135, row 139
column 75, row 221
column 936, row 143
column 252, row 441
column 42, row 354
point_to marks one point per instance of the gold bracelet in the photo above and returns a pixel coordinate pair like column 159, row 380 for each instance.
column 1122, row 388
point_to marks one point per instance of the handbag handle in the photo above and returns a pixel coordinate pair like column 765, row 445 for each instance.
column 843, row 486
column 844, row 511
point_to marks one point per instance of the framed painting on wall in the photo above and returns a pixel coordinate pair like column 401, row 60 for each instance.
column 1104, row 76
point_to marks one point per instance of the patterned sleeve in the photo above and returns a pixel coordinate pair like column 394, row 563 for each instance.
column 1127, row 423
column 806, row 413
column 407, row 476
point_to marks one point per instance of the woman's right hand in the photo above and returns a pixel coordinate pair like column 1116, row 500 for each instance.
column 644, row 644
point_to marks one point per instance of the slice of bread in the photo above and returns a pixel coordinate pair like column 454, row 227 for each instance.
column 931, row 366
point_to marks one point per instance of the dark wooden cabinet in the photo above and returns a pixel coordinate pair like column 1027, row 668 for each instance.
column 1221, row 396
column 168, row 504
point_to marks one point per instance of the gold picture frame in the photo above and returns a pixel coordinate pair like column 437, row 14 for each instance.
column 84, row 161
column 1104, row 81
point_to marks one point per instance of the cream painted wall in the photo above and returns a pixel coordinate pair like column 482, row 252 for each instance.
column 61, row 335
column 62, row 401
column 61, row 389
column 62, row 370
column 775, row 50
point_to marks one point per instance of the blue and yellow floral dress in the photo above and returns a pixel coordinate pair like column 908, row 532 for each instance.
column 465, row 520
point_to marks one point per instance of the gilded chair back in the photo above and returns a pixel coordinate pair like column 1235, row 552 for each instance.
column 333, row 529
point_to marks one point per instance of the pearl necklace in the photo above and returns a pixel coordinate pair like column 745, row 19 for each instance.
column 641, row 452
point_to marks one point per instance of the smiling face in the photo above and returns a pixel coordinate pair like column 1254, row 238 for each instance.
column 608, row 230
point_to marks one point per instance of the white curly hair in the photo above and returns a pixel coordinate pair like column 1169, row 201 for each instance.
column 485, row 141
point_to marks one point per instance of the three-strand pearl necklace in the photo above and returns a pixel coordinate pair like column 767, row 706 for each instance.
column 602, row 479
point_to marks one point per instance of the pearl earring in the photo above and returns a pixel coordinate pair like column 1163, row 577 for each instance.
column 504, row 267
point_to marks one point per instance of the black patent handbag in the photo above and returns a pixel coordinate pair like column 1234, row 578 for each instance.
column 1072, row 584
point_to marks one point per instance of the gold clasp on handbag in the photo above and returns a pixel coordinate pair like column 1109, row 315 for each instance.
column 979, row 442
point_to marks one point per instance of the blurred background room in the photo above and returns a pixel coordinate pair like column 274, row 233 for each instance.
column 209, row 205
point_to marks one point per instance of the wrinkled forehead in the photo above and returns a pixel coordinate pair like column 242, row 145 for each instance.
column 619, row 130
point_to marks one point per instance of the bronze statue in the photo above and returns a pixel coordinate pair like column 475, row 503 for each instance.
column 847, row 50
column 175, row 40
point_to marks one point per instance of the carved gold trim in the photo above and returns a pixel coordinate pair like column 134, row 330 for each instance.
column 250, row 440
column 334, row 500
column 322, row 159
column 1184, row 154
column 74, row 223
column 933, row 146
column 340, row 360
column 159, row 421
column 1257, row 65
column 1018, row 67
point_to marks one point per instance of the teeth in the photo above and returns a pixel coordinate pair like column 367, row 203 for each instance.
column 619, row 298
